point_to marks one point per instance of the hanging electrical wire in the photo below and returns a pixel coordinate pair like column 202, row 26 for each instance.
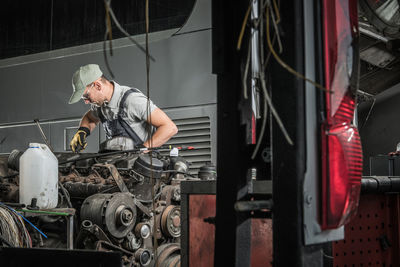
column 368, row 97
column 275, row 24
column 108, row 26
column 281, row 62
column 105, row 55
column 262, row 79
column 246, row 17
column 108, row 35
column 278, row 16
column 267, row 99
column 150, row 128
column 8, row 229
column 148, row 109
column 264, row 91
column 24, row 230
column 246, row 72
column 13, row 231
column 20, row 216
column 114, row 18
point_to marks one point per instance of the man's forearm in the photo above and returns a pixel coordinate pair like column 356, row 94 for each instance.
column 161, row 136
column 88, row 121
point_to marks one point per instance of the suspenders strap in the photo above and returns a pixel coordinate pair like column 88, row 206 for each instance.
column 124, row 124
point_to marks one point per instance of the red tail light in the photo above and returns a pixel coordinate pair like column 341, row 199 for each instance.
column 341, row 147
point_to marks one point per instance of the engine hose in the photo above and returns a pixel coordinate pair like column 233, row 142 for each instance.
column 135, row 150
column 79, row 189
column 99, row 155
column 64, row 191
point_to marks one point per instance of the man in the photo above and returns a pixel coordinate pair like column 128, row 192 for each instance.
column 123, row 111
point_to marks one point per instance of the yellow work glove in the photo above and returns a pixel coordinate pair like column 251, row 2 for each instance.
column 79, row 143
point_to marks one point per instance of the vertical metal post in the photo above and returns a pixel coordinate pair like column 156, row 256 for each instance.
column 70, row 232
column 232, row 229
column 255, row 65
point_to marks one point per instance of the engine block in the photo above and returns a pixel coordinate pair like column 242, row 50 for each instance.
column 126, row 202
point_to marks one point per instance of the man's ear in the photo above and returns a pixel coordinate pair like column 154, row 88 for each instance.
column 97, row 85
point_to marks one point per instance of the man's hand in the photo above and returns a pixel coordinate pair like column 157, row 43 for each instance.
column 142, row 148
column 79, row 143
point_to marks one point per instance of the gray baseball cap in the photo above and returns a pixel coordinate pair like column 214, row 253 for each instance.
column 84, row 76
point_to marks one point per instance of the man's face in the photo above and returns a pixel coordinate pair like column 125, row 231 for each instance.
column 93, row 94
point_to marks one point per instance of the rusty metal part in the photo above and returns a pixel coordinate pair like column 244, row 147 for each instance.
column 176, row 195
column 95, row 178
column 78, row 179
column 201, row 222
column 174, row 261
column 171, row 221
column 75, row 176
column 160, row 207
column 124, row 215
column 95, row 230
column 171, row 192
column 109, row 181
column 143, row 208
column 68, row 178
column 115, row 174
column 166, row 194
column 102, row 246
column 166, row 251
column 131, row 242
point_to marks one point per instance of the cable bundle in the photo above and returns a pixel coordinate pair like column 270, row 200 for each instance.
column 13, row 232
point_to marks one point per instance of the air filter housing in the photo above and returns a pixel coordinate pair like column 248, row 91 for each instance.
column 148, row 167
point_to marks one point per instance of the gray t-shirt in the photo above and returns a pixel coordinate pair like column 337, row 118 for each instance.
column 135, row 109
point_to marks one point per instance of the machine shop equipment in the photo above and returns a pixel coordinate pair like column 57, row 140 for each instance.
column 127, row 202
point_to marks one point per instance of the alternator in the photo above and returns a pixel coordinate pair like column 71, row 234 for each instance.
column 115, row 213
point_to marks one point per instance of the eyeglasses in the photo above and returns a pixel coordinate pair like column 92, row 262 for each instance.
column 85, row 96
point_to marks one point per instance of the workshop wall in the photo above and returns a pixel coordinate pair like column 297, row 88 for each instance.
column 380, row 133
column 38, row 85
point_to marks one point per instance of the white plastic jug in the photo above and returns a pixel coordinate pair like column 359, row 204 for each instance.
column 38, row 174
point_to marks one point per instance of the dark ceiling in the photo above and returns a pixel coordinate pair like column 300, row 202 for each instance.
column 28, row 27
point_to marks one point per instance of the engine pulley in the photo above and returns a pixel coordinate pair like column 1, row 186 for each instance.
column 171, row 221
column 115, row 213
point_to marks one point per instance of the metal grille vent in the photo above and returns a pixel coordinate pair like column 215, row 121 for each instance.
column 194, row 132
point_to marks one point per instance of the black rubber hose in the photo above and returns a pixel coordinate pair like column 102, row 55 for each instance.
column 135, row 150
column 100, row 155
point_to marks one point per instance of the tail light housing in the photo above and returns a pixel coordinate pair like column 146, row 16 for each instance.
column 341, row 147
